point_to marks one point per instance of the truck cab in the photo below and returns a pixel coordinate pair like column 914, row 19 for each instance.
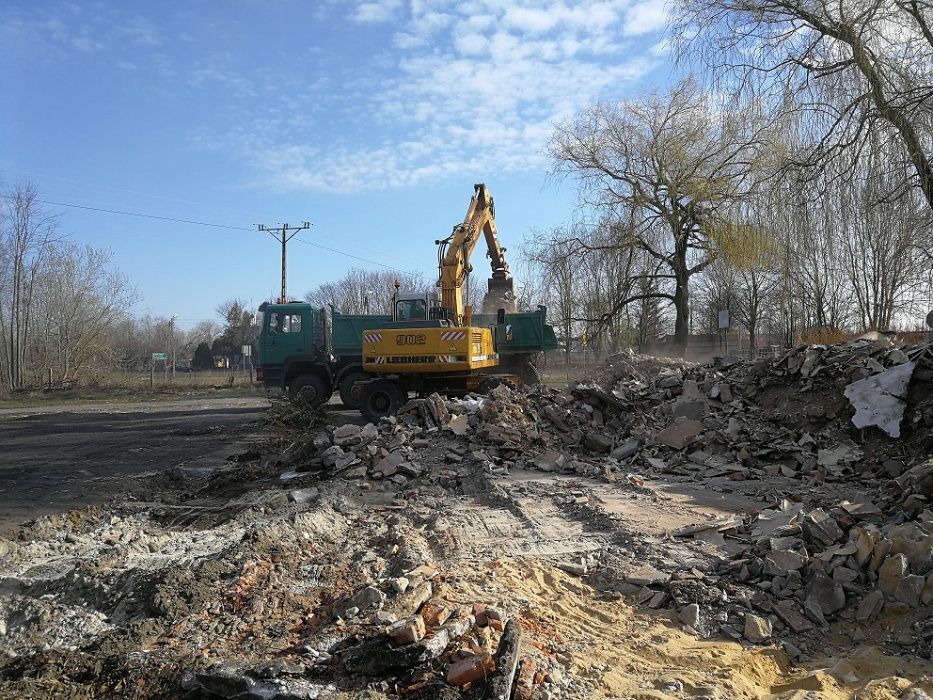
column 294, row 351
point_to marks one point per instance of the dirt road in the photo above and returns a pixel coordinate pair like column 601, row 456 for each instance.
column 56, row 458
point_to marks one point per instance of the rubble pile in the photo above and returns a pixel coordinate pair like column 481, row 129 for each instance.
column 796, row 416
column 858, row 413
column 802, row 568
column 473, row 547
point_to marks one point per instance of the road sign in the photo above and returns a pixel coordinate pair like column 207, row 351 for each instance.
column 159, row 356
column 247, row 350
column 723, row 320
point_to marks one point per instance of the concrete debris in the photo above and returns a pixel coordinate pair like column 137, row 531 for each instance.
column 437, row 554
column 757, row 629
column 880, row 400
column 680, row 433
column 471, row 669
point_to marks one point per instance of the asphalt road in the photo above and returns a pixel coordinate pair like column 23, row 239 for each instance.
column 54, row 459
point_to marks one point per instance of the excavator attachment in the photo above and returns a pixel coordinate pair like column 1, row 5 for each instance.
column 501, row 293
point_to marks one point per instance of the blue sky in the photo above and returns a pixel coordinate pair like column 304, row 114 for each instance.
column 371, row 119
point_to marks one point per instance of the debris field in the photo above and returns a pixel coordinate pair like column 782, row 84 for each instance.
column 656, row 530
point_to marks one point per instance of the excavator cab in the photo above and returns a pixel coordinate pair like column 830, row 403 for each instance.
column 412, row 306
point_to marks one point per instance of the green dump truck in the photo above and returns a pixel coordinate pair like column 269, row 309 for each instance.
column 311, row 354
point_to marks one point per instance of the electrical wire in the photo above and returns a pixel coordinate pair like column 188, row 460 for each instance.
column 343, row 236
column 194, row 222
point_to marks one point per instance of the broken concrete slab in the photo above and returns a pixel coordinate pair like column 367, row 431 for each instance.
column 459, row 424
column 780, row 562
column 550, row 461
column 819, row 525
column 647, row 575
column 879, row 400
column 870, row 607
column 348, row 434
column 909, row 590
column 825, row 594
column 757, row 629
column 693, row 409
column 680, row 433
column 627, row 449
column 891, row 573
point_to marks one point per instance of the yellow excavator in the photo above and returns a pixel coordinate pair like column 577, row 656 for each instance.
column 431, row 344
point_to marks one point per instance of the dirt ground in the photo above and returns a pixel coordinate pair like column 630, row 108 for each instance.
column 237, row 570
column 283, row 569
column 58, row 457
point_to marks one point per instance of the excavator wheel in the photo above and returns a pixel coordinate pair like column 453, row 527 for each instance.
column 380, row 398
column 350, row 390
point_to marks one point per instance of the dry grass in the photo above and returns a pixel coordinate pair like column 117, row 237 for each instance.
column 139, row 386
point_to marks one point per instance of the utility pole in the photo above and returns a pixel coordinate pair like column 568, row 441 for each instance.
column 173, row 345
column 283, row 235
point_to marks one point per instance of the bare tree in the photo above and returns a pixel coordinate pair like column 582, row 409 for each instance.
column 881, row 239
column 79, row 299
column 366, row 291
column 555, row 254
column 845, row 70
column 27, row 237
column 671, row 169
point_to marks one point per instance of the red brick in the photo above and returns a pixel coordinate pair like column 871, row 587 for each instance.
column 471, row 669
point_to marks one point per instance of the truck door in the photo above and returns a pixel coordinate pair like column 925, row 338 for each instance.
column 283, row 337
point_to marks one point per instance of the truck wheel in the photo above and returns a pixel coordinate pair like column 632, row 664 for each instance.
column 380, row 398
column 309, row 389
column 349, row 391
column 529, row 374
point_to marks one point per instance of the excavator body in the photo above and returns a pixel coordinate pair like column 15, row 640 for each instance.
column 429, row 347
column 431, row 344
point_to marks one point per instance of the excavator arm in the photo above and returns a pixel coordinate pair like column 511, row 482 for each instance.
column 455, row 251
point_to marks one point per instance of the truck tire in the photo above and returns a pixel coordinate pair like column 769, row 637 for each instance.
column 380, row 398
column 529, row 374
column 349, row 393
column 309, row 389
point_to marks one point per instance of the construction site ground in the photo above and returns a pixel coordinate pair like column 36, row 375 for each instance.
column 56, row 457
column 278, row 572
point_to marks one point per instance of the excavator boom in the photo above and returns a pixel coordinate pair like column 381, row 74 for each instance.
column 454, row 258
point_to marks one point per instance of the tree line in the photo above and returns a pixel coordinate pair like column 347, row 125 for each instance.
column 66, row 310
column 785, row 177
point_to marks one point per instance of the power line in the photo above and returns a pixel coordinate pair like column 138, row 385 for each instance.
column 138, row 214
column 208, row 224
column 343, row 235
column 355, row 257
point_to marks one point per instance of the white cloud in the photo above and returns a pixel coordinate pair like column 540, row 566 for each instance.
column 530, row 19
column 467, row 88
column 86, row 44
column 227, row 78
column 645, row 16
column 376, row 11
